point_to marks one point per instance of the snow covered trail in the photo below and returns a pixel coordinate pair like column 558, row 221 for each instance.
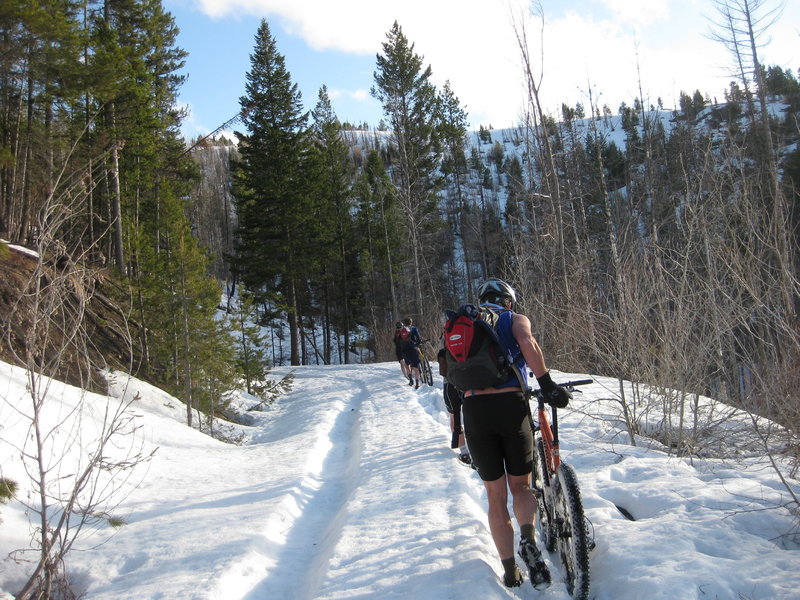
column 390, row 512
column 346, row 488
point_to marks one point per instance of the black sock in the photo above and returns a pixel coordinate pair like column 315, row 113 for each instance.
column 526, row 531
column 508, row 565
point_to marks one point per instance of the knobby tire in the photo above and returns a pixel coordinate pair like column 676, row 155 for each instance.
column 572, row 535
column 427, row 374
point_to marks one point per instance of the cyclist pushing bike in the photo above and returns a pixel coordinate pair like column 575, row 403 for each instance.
column 500, row 438
column 410, row 342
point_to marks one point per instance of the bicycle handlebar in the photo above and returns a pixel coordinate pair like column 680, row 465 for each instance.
column 578, row 382
column 568, row 384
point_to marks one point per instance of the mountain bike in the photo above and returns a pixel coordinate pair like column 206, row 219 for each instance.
column 561, row 521
column 425, row 366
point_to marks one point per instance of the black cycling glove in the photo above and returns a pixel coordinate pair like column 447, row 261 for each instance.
column 554, row 394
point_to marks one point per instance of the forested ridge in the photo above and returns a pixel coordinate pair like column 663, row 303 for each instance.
column 653, row 244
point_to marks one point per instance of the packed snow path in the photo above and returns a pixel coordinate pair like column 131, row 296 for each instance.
column 347, row 488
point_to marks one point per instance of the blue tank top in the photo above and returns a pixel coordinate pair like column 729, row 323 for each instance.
column 504, row 323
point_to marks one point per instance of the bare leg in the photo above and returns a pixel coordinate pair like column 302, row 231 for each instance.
column 524, row 502
column 499, row 520
column 524, row 506
column 404, row 368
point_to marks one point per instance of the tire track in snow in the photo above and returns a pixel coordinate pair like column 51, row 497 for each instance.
column 410, row 532
column 320, row 498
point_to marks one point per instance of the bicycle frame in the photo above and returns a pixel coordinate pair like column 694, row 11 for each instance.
column 548, row 431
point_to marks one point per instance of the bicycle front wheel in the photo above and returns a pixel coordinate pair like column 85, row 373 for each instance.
column 572, row 536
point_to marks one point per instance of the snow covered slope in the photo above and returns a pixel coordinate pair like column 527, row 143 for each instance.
column 346, row 488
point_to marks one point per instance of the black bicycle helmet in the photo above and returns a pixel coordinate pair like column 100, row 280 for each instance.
column 493, row 290
column 398, row 325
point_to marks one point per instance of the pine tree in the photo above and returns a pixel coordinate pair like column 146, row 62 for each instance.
column 341, row 275
column 452, row 127
column 408, row 98
column 379, row 227
column 251, row 357
column 39, row 75
column 275, row 210
column 132, row 86
column 190, row 350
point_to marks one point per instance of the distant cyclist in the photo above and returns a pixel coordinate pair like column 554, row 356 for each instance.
column 398, row 350
column 410, row 345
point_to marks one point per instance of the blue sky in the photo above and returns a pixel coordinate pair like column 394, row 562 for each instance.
column 608, row 45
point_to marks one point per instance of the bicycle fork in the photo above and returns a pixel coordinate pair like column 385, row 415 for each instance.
column 550, row 439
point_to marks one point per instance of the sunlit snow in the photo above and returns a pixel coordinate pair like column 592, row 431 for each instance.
column 346, row 488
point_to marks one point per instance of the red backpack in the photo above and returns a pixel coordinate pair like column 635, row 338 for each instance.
column 475, row 356
column 407, row 339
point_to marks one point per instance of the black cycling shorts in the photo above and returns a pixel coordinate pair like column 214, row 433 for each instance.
column 498, row 434
column 411, row 356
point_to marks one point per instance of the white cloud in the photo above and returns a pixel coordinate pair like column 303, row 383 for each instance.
column 468, row 42
column 360, row 94
column 615, row 58
column 638, row 13
column 350, row 26
column 472, row 44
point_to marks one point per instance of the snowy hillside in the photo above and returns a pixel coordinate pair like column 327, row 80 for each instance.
column 346, row 488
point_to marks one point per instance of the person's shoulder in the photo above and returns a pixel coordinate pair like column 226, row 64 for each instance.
column 520, row 320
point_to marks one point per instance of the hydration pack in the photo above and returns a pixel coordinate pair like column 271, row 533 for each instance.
column 408, row 337
column 475, row 356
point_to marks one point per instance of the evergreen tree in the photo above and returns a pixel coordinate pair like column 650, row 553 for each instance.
column 515, row 187
column 91, row 88
column 275, row 209
column 408, row 98
column 132, row 88
column 379, row 227
column 251, row 356
column 191, row 351
column 39, row 78
column 341, row 275
column 452, row 129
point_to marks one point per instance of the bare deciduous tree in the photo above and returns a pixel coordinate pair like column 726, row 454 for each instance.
column 78, row 454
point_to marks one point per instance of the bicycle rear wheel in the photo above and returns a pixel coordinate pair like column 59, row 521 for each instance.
column 425, row 367
column 572, row 536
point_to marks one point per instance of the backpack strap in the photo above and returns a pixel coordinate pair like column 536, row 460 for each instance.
column 496, row 314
